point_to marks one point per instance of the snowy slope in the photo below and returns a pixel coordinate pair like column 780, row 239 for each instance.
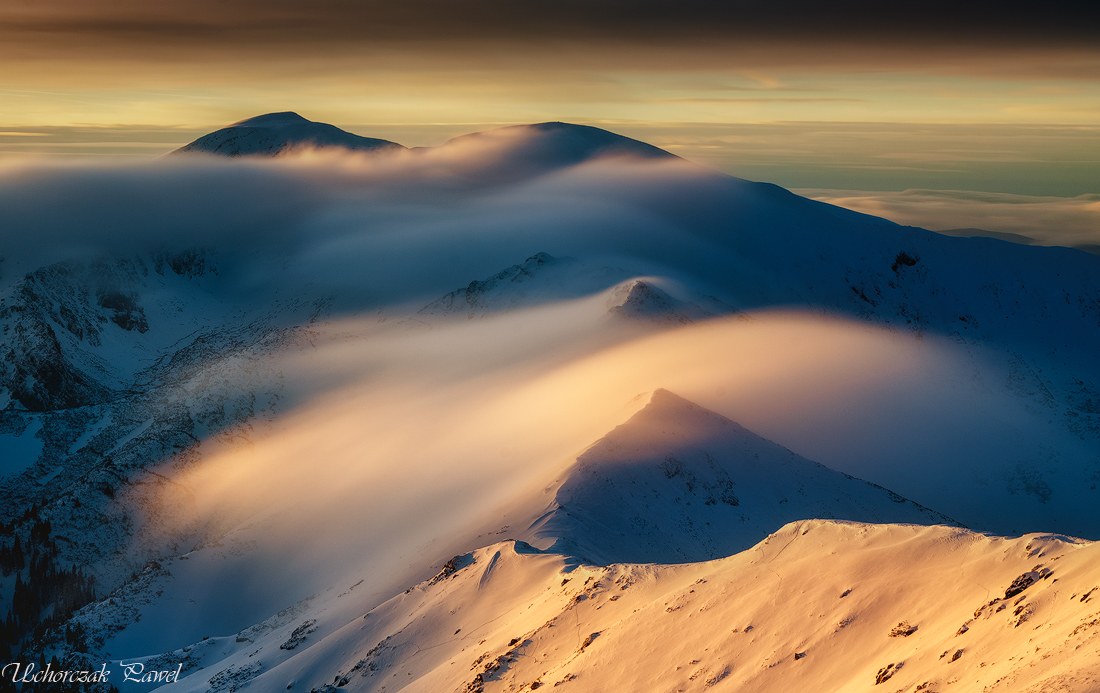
column 120, row 376
column 818, row 605
column 678, row 483
column 113, row 367
column 77, row 332
column 276, row 134
column 673, row 483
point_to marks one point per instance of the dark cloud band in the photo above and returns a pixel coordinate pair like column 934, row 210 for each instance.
column 425, row 22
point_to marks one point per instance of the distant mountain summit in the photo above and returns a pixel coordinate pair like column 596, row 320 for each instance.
column 501, row 156
column 521, row 152
column 562, row 144
column 678, row 482
column 275, row 134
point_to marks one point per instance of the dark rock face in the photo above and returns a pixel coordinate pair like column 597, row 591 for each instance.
column 53, row 319
column 112, row 369
column 886, row 672
column 38, row 375
column 127, row 313
column 52, row 312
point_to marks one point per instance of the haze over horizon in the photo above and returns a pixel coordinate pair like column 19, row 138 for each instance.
column 852, row 97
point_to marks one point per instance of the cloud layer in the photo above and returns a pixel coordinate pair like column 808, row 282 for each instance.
column 1068, row 221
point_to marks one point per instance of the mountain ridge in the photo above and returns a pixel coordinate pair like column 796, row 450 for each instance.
column 814, row 604
column 178, row 366
column 552, row 144
column 677, row 483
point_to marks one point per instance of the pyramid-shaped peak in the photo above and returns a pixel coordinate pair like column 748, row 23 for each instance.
column 664, row 421
column 669, row 408
column 267, row 119
column 665, row 398
column 679, row 482
column 639, row 296
column 643, row 299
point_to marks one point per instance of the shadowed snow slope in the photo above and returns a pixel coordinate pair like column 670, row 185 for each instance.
column 280, row 133
column 819, row 605
column 680, row 483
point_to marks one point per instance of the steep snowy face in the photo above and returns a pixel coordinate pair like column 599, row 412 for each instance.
column 276, row 134
column 680, row 483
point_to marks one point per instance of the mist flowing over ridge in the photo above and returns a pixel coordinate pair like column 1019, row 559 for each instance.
column 338, row 362
column 539, row 146
column 677, row 483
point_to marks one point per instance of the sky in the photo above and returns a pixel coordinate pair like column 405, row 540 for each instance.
column 848, row 95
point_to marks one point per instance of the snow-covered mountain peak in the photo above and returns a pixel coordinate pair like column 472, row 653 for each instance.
column 592, row 141
column 275, row 134
column 508, row 155
column 677, row 482
column 644, row 299
column 126, row 383
column 270, row 119
column 668, row 414
column 565, row 143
